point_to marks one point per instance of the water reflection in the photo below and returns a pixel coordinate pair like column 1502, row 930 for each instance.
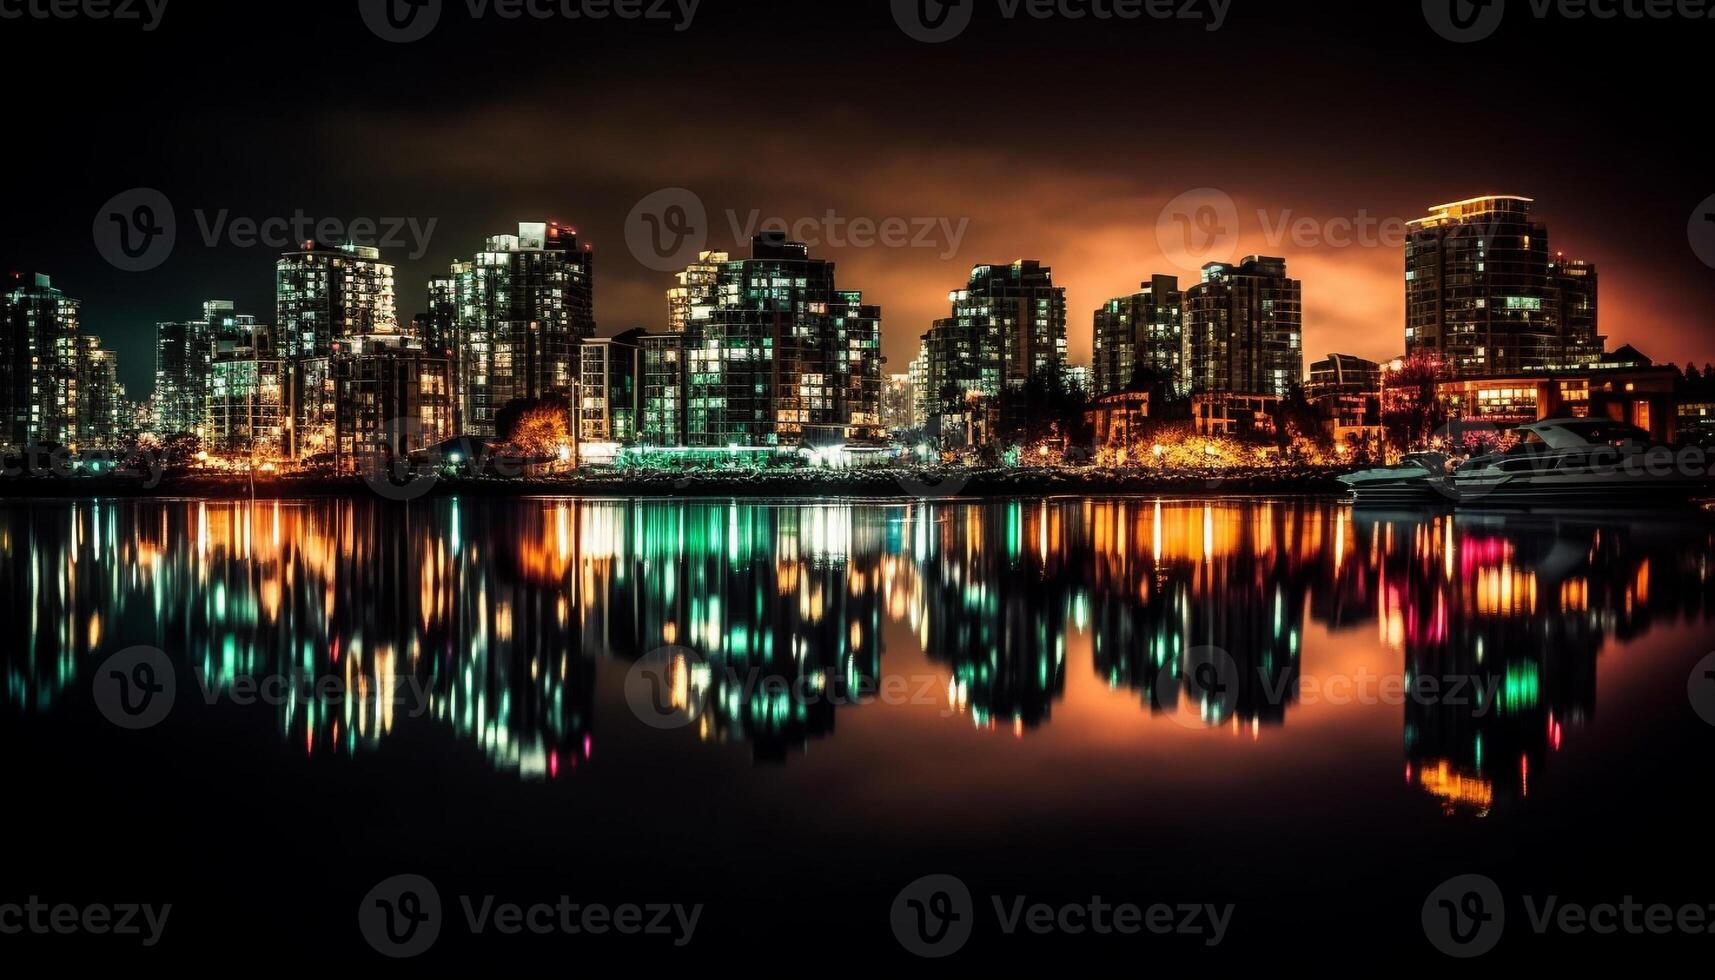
column 491, row 618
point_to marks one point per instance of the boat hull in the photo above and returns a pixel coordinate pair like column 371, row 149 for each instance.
column 1572, row 491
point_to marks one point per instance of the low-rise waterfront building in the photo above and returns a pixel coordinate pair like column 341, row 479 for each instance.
column 1119, row 420
column 1234, row 414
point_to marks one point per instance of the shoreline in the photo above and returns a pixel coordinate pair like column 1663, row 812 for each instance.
column 879, row 486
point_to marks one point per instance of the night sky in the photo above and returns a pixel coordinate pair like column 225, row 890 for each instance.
column 1058, row 140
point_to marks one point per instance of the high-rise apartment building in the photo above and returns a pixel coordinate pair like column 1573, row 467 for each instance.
column 324, row 297
column 661, row 385
column 1574, row 286
column 182, row 351
column 1143, row 331
column 696, row 289
column 1007, row 328
column 1244, row 327
column 102, row 409
column 38, row 363
column 1486, row 296
column 247, row 392
column 919, row 372
column 898, row 403
column 777, row 356
column 324, row 294
column 526, row 304
column 608, row 390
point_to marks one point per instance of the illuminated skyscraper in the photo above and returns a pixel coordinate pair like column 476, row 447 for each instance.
column 607, row 389
column 438, row 327
column 325, row 294
column 1244, row 328
column 919, row 372
column 1574, row 284
column 1145, row 330
column 323, row 297
column 1485, row 295
column 101, row 403
column 695, row 291
column 526, row 304
column 247, row 389
column 898, row 402
column 782, row 358
column 661, row 390
column 1007, row 328
column 38, row 363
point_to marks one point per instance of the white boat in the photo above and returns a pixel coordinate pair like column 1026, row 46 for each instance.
column 1419, row 478
column 1574, row 460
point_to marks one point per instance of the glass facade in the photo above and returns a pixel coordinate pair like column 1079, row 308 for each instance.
column 38, row 363
column 1486, row 295
column 525, row 305
column 778, row 357
column 1143, row 330
column 696, row 289
column 1007, row 328
column 607, row 391
column 247, row 403
column 1244, row 328
column 393, row 399
column 322, row 297
column 324, row 294
column 661, row 390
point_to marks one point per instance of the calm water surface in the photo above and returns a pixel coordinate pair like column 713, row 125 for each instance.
column 788, row 711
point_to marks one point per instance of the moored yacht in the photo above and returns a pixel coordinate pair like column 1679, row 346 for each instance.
column 1573, row 460
column 1419, row 478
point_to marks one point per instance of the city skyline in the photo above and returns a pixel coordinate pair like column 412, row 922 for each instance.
column 1082, row 326
column 1084, row 197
